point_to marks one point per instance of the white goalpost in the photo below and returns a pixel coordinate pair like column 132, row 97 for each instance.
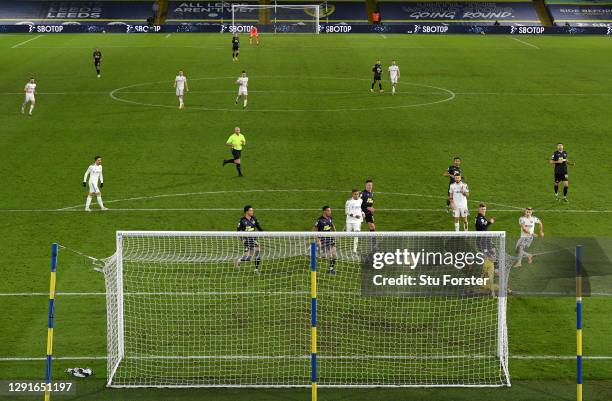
column 277, row 18
column 287, row 309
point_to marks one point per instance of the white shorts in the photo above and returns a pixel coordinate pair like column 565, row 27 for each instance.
column 524, row 242
column 393, row 80
column 93, row 187
column 179, row 92
column 243, row 92
column 353, row 226
column 461, row 212
column 29, row 97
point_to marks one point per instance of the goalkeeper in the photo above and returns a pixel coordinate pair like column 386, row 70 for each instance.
column 249, row 223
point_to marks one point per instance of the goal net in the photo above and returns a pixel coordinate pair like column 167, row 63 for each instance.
column 183, row 312
column 277, row 18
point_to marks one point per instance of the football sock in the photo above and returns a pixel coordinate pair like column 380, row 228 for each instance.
column 379, row 86
column 556, row 189
column 99, row 198
column 332, row 263
column 88, row 202
column 456, row 226
column 565, row 191
column 245, row 103
column 238, row 169
column 373, row 85
column 31, row 108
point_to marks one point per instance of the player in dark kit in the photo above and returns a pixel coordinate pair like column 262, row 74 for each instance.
column 482, row 224
column 327, row 245
column 248, row 223
column 97, row 58
column 377, row 70
column 450, row 172
column 367, row 204
column 559, row 159
column 235, row 47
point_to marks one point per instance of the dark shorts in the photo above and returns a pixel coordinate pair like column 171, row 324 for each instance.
column 235, row 48
column 327, row 244
column 377, row 77
column 369, row 217
column 250, row 243
column 97, row 63
column 236, row 153
column 559, row 177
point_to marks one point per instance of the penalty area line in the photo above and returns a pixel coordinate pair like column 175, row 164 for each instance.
column 526, row 43
column 229, row 209
column 25, row 41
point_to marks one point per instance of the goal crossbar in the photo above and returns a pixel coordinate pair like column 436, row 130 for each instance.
column 277, row 18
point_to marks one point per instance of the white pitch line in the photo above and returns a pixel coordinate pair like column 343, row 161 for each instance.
column 26, row 41
column 259, row 357
column 168, row 35
column 383, row 36
column 229, row 209
column 525, row 43
column 564, row 94
column 270, row 190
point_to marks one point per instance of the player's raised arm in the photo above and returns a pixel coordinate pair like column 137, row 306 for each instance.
column 541, row 227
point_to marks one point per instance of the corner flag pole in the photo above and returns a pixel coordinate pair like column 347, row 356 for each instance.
column 50, row 322
column 578, row 323
column 313, row 328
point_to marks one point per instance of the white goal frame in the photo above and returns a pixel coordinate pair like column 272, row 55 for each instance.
column 115, row 306
column 315, row 7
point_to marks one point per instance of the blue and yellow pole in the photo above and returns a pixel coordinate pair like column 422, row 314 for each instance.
column 313, row 328
column 50, row 321
column 578, row 323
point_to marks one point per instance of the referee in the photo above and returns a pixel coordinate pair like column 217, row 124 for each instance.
column 236, row 141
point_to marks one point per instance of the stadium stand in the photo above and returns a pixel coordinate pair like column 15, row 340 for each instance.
column 461, row 13
column 581, row 13
column 335, row 12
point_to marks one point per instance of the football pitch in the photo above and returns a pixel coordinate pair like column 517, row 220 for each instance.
column 314, row 131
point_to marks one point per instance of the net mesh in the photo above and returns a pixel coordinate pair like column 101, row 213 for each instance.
column 181, row 313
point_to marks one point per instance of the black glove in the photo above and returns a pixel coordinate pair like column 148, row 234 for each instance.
column 84, row 184
column 101, row 184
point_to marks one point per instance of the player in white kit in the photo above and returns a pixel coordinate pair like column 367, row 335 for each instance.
column 458, row 193
column 527, row 223
column 180, row 83
column 30, row 90
column 354, row 215
column 95, row 174
column 243, row 83
column 394, row 75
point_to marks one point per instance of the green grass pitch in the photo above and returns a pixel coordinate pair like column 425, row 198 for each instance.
column 314, row 131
